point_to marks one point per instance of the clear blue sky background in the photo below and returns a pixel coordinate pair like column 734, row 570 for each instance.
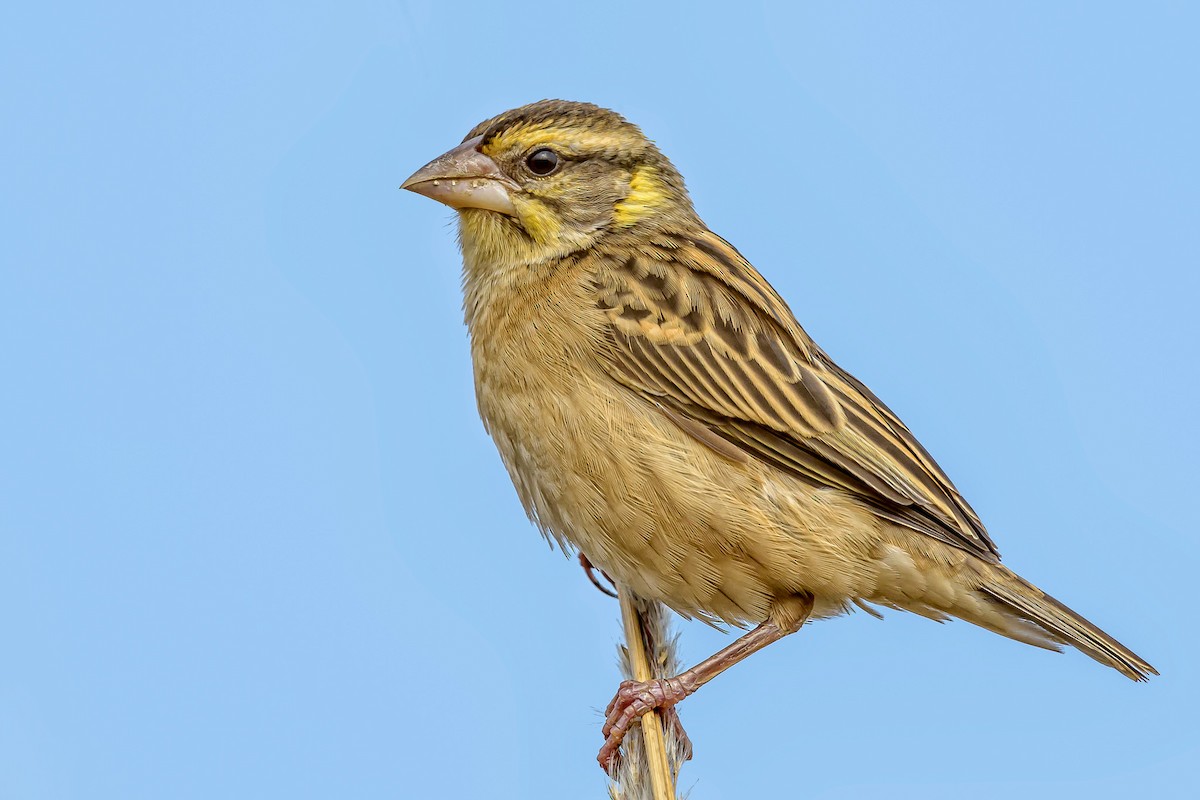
column 255, row 543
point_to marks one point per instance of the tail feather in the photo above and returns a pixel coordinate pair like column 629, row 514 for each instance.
column 1030, row 603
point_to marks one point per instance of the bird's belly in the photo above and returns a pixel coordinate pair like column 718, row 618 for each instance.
column 711, row 537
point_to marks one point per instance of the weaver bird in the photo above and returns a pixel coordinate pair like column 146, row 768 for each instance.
column 660, row 409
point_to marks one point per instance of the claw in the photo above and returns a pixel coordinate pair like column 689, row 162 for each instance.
column 633, row 699
column 588, row 568
column 673, row 724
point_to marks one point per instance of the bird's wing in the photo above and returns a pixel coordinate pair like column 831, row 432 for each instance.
column 695, row 329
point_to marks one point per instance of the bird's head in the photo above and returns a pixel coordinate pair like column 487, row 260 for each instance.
column 552, row 178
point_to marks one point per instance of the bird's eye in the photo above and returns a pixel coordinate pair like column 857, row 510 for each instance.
column 542, row 162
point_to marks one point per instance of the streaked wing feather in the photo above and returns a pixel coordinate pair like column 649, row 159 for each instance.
column 696, row 328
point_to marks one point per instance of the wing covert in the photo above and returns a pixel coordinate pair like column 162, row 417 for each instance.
column 696, row 329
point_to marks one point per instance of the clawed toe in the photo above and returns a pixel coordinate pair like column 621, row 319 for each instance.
column 632, row 700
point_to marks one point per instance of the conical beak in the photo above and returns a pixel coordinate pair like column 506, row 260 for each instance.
column 464, row 178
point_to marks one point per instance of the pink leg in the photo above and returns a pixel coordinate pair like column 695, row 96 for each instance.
column 635, row 698
column 588, row 567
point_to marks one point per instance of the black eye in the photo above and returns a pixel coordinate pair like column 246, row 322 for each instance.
column 542, row 162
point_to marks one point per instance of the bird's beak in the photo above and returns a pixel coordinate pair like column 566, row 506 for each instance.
column 464, row 178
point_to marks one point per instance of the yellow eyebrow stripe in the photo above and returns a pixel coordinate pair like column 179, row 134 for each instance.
column 569, row 139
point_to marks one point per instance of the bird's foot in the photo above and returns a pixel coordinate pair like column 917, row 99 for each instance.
column 588, row 567
column 635, row 698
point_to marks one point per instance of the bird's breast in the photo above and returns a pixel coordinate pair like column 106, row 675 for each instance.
column 608, row 473
column 542, row 402
column 602, row 469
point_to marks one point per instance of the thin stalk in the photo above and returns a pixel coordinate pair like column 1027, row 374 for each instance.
column 650, row 757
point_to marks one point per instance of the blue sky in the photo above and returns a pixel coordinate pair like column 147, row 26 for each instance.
column 255, row 543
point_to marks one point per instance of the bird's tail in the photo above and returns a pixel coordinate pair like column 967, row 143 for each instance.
column 1021, row 598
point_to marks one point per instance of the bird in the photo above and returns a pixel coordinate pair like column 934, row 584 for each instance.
column 662, row 413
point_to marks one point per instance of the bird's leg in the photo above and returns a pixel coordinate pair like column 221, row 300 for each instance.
column 635, row 698
column 588, row 567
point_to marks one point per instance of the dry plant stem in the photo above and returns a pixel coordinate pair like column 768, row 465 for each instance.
column 652, row 729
